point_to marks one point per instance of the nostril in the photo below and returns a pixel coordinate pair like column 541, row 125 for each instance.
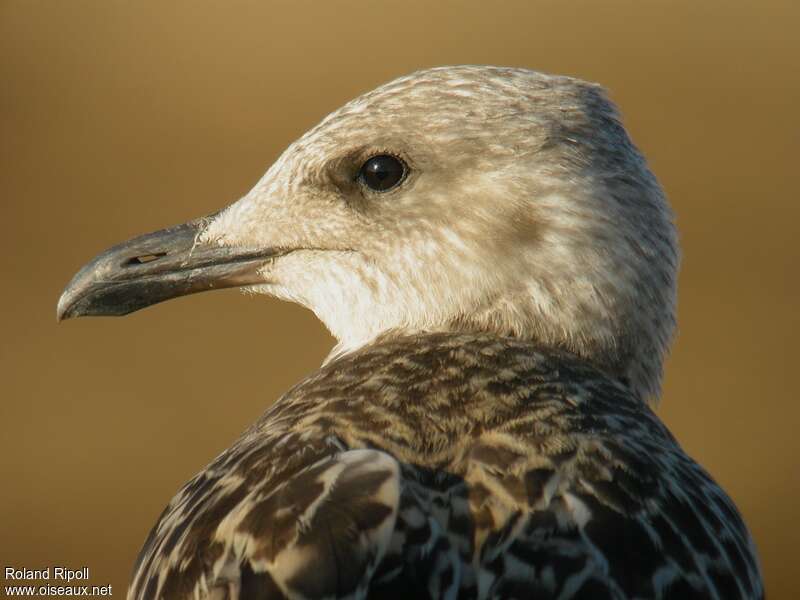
column 145, row 258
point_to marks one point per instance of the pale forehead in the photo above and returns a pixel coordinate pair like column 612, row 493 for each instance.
column 492, row 88
column 467, row 96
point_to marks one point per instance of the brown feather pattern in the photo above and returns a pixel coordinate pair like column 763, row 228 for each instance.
column 452, row 466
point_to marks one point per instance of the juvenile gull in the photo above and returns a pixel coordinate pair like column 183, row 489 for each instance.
column 499, row 267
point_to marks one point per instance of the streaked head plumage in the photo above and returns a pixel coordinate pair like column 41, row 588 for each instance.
column 526, row 210
column 457, row 198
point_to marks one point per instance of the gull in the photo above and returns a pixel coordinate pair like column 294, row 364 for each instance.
column 498, row 265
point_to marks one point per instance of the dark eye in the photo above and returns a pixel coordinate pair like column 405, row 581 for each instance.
column 382, row 172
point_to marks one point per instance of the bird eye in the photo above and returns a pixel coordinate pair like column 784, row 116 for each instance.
column 382, row 172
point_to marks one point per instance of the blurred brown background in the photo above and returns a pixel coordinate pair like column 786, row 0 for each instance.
column 117, row 118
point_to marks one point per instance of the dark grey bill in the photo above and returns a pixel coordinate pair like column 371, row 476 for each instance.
column 156, row 267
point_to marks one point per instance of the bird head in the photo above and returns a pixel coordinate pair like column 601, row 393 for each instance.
column 454, row 199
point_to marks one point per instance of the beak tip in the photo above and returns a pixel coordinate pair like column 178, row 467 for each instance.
column 64, row 307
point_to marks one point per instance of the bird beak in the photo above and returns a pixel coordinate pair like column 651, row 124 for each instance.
column 156, row 267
